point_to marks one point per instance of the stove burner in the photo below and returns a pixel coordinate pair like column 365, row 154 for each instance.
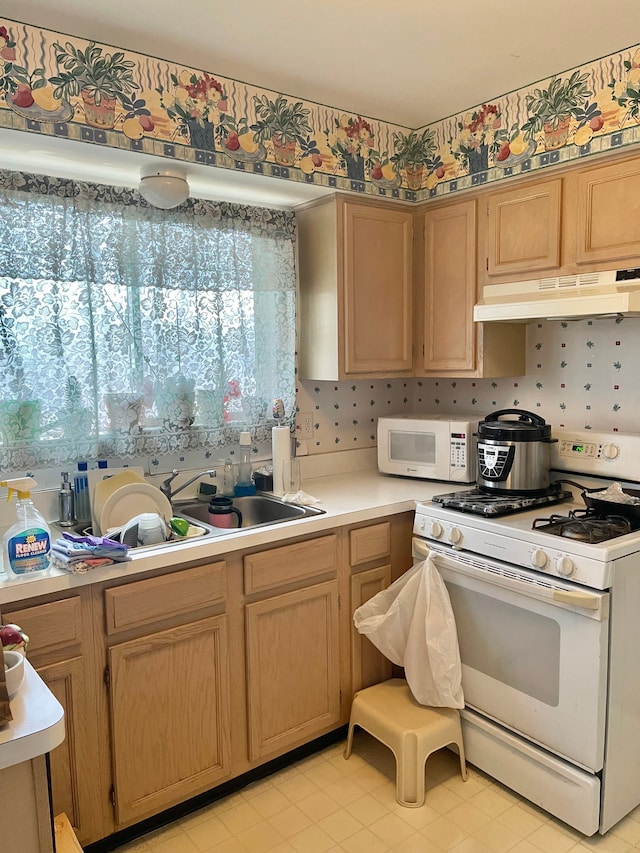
column 583, row 525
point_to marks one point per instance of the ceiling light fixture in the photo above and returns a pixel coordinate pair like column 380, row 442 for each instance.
column 164, row 188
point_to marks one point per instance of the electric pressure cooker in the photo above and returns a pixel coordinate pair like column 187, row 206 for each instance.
column 514, row 453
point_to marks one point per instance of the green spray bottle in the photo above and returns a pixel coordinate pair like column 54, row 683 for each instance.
column 27, row 543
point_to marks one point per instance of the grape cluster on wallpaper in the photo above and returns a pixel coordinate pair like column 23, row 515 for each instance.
column 580, row 374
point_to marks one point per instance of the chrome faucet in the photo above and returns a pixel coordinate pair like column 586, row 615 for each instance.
column 166, row 490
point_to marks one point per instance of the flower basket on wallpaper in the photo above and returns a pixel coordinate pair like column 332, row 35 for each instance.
column 351, row 142
column 195, row 104
column 413, row 152
column 479, row 135
column 626, row 93
column 235, row 138
column 100, row 79
column 551, row 109
column 285, row 123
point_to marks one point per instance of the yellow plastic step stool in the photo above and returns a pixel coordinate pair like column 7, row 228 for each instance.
column 412, row 732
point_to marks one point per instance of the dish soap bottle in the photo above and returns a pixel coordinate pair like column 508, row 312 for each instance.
column 244, row 484
column 27, row 543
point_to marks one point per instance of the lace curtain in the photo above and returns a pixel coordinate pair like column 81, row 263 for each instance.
column 128, row 331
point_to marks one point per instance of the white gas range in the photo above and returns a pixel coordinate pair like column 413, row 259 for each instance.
column 549, row 636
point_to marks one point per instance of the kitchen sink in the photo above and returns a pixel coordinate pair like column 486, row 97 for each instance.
column 257, row 511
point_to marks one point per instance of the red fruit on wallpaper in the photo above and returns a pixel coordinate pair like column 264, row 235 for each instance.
column 23, row 96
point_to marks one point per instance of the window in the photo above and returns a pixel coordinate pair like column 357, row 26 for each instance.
column 129, row 331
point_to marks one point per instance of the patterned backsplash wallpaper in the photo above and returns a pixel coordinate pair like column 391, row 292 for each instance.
column 580, row 374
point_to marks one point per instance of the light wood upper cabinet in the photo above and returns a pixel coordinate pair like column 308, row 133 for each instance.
column 607, row 214
column 523, row 230
column 449, row 342
column 449, row 334
column 356, row 281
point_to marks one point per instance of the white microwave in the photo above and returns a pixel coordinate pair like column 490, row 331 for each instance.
column 429, row 447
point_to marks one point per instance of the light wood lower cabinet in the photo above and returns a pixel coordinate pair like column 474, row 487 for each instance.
column 59, row 649
column 170, row 716
column 368, row 665
column 174, row 683
column 292, row 644
column 293, row 665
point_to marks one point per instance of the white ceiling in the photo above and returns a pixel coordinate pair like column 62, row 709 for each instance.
column 409, row 62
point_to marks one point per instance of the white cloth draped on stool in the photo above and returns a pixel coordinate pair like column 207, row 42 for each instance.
column 412, row 623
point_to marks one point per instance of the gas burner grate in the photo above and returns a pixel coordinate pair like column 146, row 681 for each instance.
column 477, row 502
column 583, row 525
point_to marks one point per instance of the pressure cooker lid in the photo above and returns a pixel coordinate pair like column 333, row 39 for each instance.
column 523, row 426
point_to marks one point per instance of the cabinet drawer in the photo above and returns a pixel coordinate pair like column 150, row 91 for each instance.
column 291, row 563
column 148, row 601
column 50, row 626
column 369, row 543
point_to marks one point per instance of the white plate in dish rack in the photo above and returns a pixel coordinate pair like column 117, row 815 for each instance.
column 130, row 500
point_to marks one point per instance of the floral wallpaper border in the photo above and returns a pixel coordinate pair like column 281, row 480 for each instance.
column 67, row 87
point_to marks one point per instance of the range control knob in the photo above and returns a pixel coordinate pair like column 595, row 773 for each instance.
column 455, row 536
column 565, row 566
column 422, row 524
column 610, row 451
column 538, row 559
column 436, row 529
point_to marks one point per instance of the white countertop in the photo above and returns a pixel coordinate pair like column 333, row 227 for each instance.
column 346, row 498
column 38, row 722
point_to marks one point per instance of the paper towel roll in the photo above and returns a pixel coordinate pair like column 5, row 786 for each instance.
column 281, row 453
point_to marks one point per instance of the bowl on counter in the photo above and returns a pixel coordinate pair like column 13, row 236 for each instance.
column 13, row 671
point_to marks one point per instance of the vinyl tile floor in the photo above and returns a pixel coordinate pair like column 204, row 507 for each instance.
column 324, row 804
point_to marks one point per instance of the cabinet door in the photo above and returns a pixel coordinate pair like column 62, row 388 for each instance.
column 523, row 230
column 377, row 276
column 293, row 678
column 170, row 716
column 608, row 213
column 71, row 763
column 368, row 665
column 449, row 333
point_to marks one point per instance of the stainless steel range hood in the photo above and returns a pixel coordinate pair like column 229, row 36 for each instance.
column 571, row 297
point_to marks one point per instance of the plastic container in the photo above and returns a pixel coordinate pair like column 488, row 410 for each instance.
column 244, row 484
column 27, row 543
column 229, row 478
column 82, row 504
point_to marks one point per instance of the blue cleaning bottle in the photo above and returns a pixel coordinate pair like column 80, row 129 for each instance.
column 27, row 543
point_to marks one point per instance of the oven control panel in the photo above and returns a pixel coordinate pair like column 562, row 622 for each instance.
column 615, row 455
column 527, row 549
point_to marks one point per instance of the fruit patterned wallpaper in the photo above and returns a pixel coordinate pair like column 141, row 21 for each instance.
column 580, row 374
column 65, row 86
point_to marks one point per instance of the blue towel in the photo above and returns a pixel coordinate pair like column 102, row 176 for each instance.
column 72, row 548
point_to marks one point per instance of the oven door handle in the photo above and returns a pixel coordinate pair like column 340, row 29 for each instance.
column 593, row 605
column 421, row 548
column 576, row 598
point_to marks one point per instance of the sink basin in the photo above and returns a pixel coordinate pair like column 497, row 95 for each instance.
column 257, row 511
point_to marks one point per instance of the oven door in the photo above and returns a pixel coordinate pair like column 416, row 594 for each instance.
column 533, row 651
